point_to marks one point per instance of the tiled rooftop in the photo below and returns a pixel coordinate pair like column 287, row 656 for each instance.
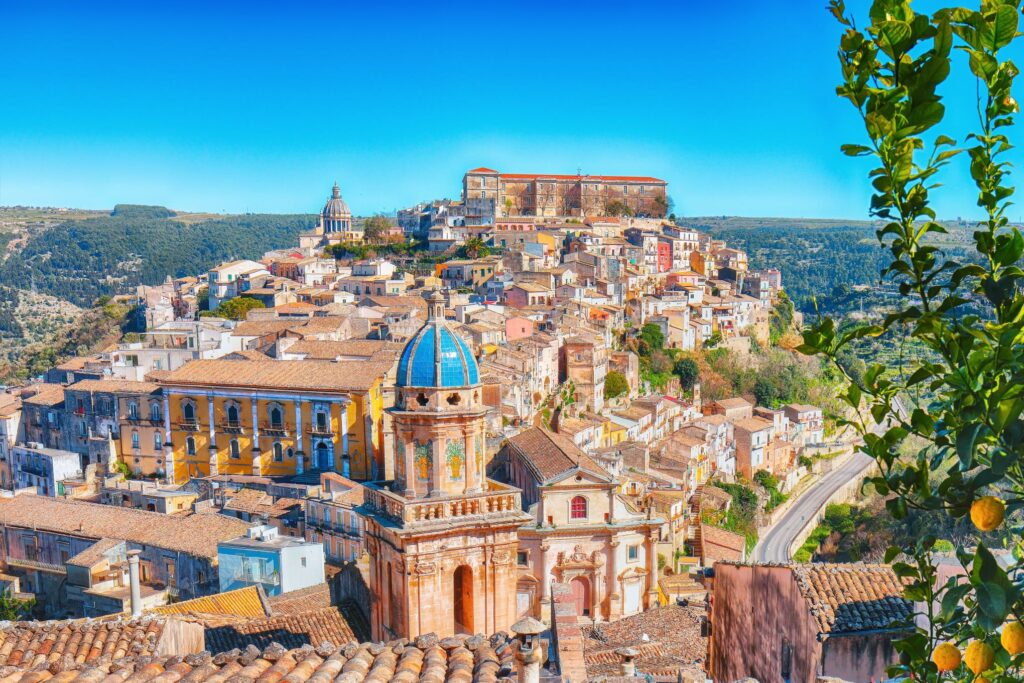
column 551, row 454
column 458, row 659
column 193, row 534
column 853, row 597
column 309, row 375
column 38, row 643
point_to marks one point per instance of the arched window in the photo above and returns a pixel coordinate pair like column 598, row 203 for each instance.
column 135, row 439
column 235, row 452
column 190, row 446
column 278, row 452
column 232, row 414
column 133, row 410
column 188, row 411
column 154, row 411
column 276, row 416
column 158, row 440
column 578, row 508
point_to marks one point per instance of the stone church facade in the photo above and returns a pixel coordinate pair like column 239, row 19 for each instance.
column 442, row 537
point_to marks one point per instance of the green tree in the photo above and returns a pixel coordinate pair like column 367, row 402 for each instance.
column 615, row 384
column 687, row 371
column 765, row 393
column 617, row 207
column 203, row 298
column 375, row 228
column 237, row 308
column 651, row 338
column 475, row 247
column 957, row 448
column 12, row 609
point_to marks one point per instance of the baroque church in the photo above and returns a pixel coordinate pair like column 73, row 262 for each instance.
column 441, row 536
column 334, row 226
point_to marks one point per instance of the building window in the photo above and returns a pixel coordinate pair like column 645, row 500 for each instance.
column 523, row 558
column 158, row 440
column 235, row 452
column 633, row 553
column 578, row 508
column 133, row 410
column 278, row 452
column 154, row 411
column 188, row 411
column 276, row 417
column 190, row 446
column 232, row 412
column 135, row 439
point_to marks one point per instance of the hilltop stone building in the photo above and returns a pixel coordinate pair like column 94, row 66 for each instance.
column 441, row 536
column 488, row 194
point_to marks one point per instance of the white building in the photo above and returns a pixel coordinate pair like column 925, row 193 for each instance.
column 45, row 469
column 279, row 563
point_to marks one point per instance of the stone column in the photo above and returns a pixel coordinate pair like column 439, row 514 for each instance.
column 257, row 460
column 614, row 596
column 545, row 580
column 652, row 569
column 299, row 455
column 343, row 424
column 410, row 469
column 214, row 464
column 168, row 446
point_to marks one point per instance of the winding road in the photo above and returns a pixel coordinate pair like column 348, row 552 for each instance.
column 774, row 545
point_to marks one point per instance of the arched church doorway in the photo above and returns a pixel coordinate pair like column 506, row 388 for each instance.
column 463, row 598
column 581, row 595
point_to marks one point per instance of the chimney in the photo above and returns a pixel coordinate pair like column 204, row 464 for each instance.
column 628, row 655
column 528, row 654
column 133, row 581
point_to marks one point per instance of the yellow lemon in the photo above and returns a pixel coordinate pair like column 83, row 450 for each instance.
column 987, row 513
column 981, row 679
column 979, row 657
column 1013, row 638
column 946, row 656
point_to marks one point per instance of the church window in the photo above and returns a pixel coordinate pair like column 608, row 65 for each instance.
column 456, row 459
column 278, row 452
column 522, row 558
column 424, row 460
column 454, row 399
column 234, row 449
column 578, row 508
column 190, row 446
column 633, row 553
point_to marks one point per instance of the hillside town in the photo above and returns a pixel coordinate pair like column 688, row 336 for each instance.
column 357, row 460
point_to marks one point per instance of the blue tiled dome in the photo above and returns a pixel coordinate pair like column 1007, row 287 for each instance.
column 437, row 357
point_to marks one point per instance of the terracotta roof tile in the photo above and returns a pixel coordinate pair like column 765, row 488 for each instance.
column 312, row 375
column 193, row 534
column 844, row 597
column 40, row 643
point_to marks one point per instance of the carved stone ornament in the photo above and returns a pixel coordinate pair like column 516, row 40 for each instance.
column 423, row 568
column 501, row 556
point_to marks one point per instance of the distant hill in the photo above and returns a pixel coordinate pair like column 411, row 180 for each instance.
column 81, row 260
column 818, row 258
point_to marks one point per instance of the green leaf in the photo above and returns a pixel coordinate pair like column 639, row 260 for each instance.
column 965, row 440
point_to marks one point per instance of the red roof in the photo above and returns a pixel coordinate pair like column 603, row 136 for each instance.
column 606, row 178
column 482, row 169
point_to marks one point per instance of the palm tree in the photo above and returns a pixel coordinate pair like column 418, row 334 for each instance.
column 475, row 247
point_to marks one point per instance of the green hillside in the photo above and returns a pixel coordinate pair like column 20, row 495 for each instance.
column 80, row 260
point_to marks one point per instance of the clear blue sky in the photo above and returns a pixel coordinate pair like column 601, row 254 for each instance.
column 261, row 106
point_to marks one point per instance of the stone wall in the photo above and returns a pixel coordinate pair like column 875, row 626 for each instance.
column 567, row 633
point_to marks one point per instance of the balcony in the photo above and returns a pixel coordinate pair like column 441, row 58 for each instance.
column 498, row 500
column 274, row 428
column 230, row 427
column 140, row 420
column 188, row 426
column 321, row 430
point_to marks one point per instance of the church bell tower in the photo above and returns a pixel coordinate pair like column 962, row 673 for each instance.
column 442, row 538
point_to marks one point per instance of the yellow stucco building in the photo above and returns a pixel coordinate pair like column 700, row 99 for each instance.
column 273, row 417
